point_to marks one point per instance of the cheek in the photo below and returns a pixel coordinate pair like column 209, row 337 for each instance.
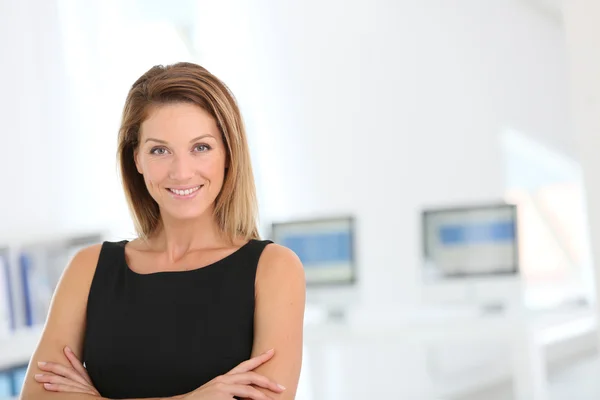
column 155, row 172
column 211, row 166
column 217, row 171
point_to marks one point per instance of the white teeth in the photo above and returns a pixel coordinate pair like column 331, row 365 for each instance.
column 185, row 192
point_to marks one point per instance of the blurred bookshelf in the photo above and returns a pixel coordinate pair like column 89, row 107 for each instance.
column 30, row 270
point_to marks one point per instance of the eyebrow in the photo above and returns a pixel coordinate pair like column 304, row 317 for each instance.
column 193, row 140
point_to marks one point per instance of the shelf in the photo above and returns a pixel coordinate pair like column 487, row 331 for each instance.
column 16, row 348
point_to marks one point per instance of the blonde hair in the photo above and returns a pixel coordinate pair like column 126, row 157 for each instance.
column 235, row 210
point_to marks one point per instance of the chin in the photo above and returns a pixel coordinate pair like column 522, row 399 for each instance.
column 186, row 214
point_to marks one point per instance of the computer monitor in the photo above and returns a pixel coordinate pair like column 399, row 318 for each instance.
column 327, row 249
column 473, row 249
column 470, row 242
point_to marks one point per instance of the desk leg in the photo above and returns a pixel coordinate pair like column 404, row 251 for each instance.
column 326, row 371
column 530, row 380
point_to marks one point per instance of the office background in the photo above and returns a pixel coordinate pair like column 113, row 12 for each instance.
column 372, row 109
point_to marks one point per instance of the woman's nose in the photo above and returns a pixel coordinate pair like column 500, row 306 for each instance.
column 181, row 168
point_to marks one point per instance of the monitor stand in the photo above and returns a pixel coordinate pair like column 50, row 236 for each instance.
column 488, row 302
column 492, row 308
column 330, row 314
column 338, row 315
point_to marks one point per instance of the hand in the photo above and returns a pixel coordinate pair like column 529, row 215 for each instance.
column 66, row 379
column 238, row 382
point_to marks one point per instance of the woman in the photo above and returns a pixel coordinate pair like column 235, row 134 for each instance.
column 197, row 307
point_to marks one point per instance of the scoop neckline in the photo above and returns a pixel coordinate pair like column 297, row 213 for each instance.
column 219, row 261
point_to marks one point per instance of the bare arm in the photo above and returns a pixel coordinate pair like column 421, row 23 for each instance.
column 279, row 317
column 65, row 325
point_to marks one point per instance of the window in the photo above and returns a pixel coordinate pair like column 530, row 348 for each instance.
column 555, row 254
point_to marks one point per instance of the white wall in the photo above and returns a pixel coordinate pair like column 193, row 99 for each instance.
column 33, row 110
column 392, row 106
column 58, row 164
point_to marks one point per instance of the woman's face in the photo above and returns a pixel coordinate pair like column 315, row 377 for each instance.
column 182, row 157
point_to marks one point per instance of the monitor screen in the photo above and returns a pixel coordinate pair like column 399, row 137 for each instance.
column 470, row 241
column 325, row 247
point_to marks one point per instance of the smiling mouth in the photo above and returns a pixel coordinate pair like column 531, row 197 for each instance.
column 185, row 192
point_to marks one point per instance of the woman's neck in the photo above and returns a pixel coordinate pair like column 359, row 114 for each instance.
column 177, row 237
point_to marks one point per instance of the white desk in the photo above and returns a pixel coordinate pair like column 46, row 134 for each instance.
column 374, row 358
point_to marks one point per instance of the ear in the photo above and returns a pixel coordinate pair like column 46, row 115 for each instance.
column 138, row 166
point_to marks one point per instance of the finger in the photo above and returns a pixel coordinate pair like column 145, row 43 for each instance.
column 48, row 378
column 252, row 363
column 61, row 370
column 252, row 378
column 77, row 365
column 248, row 392
column 53, row 387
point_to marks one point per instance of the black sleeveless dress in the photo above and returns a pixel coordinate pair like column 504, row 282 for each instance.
column 168, row 333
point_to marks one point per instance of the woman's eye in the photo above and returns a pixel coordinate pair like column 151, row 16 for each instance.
column 159, row 151
column 201, row 147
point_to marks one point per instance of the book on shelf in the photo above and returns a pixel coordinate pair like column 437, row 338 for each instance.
column 41, row 266
column 7, row 319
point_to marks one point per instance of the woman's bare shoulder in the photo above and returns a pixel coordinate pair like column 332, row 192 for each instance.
column 87, row 257
column 280, row 262
column 82, row 265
